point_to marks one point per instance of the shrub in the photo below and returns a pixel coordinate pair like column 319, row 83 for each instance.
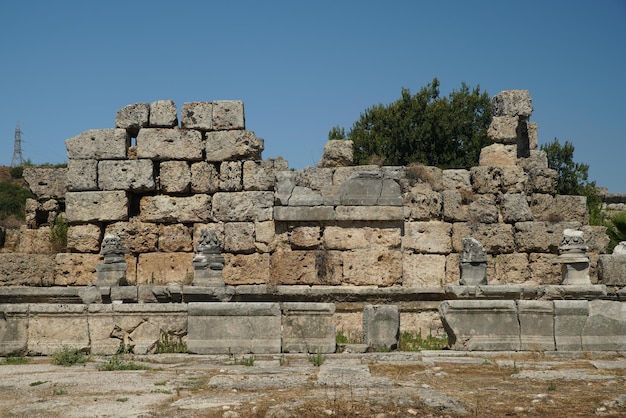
column 170, row 344
column 17, row 172
column 118, row 363
column 68, row 356
column 58, row 235
column 12, row 200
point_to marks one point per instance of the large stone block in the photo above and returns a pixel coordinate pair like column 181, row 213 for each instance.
column 231, row 176
column 204, row 178
column 171, row 209
column 495, row 238
column 423, row 270
column 503, row 129
column 163, row 114
column 197, row 115
column 175, row 177
column 570, row 317
column 348, row 238
column 369, row 213
column 308, row 327
column 137, row 236
column 372, row 267
column 105, row 206
column 305, row 238
column 18, row 269
column 259, row 175
column 536, row 318
column 514, row 208
column 484, row 209
column 175, row 238
column 509, row 268
column 233, row 145
column 381, row 326
column 13, row 329
column 453, row 208
column 234, row 328
column 512, row 103
column 130, row 175
column 46, row 183
column 242, row 269
column 165, row 268
column 612, row 269
column 133, row 117
column 457, row 179
column 239, row 237
column 299, row 267
column 304, row 196
column 421, row 204
column 481, row 325
column 318, row 178
column 543, row 270
column 82, row 175
column 605, row 329
column 52, row 327
column 304, row 213
column 427, row 237
column 84, row 238
column 514, row 179
column 542, row 180
column 498, row 155
column 243, row 206
column 228, row 115
column 169, row 144
column 486, row 179
column 596, row 238
column 541, row 237
column 369, row 189
column 76, row 269
column 99, row 144
column 337, row 153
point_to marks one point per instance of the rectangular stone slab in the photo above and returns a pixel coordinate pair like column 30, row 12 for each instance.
column 308, row 327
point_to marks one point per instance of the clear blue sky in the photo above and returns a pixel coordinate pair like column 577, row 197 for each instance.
column 303, row 67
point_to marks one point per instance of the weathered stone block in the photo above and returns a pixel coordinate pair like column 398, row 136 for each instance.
column 46, row 183
column 308, row 327
column 605, row 329
column 13, row 329
column 542, row 180
column 84, row 238
column 239, row 237
column 512, row 103
column 612, row 269
column 228, row 114
column 304, row 196
column 481, row 325
column 369, row 189
column 543, row 270
column 423, row 270
column 422, row 205
column 169, row 144
column 163, row 114
column 514, row 208
column 456, row 179
column 348, row 238
column 259, row 175
column 304, row 213
column 164, row 268
column 570, row 317
column 17, row 269
column 503, row 129
column 533, row 135
column 265, row 236
column 137, row 236
column 175, row 238
column 73, row 269
column 372, row 267
column 498, row 155
column 453, row 208
column 241, row 269
column 285, row 183
column 51, row 327
column 536, row 318
column 296, row 267
column 204, row 178
column 510, row 268
column 98, row 144
column 234, row 327
column 427, row 237
column 82, row 175
column 170, row 209
column 175, row 177
column 231, row 176
column 486, row 179
column 315, row 178
column 197, row 115
column 484, row 209
column 381, row 326
column 133, row 117
column 337, row 153
column 129, row 175
column 243, row 206
column 305, row 238
column 514, row 179
column 541, row 237
column 495, row 238
column 106, row 206
column 369, row 213
column 34, row 241
column 233, row 145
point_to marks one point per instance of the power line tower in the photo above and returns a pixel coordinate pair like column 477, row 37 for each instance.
column 18, row 159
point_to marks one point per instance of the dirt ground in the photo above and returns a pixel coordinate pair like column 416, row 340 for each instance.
column 426, row 384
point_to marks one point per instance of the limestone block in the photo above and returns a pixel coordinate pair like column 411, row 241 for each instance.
column 514, row 179
column 570, row 317
column 612, row 269
column 82, row 175
column 542, row 180
column 14, row 329
column 308, row 327
column 495, row 238
column 34, row 241
column 314, row 178
column 533, row 135
column 541, row 237
column 304, row 196
column 174, row 177
column 605, row 328
column 431, row 176
column 510, row 268
column 18, row 269
column 481, row 325
column 307, row 213
column 46, row 183
column 542, row 270
column 243, row 206
column 204, row 178
column 265, row 236
column 503, row 129
column 536, row 159
column 422, row 205
column 456, row 179
column 339, row 175
column 231, row 176
column 486, row 179
column 98, row 144
column 84, row 238
column 137, row 236
column 348, row 238
column 259, row 175
column 105, row 206
column 164, row 268
column 239, row 237
column 241, row 269
column 596, row 238
column 514, row 208
column 337, row 153
column 536, row 318
column 381, row 326
column 285, row 183
column 73, row 269
column 498, row 155
column 423, row 270
column 372, row 267
column 453, row 269
column 169, row 144
column 453, row 208
column 305, row 238
column 484, row 209
column 51, row 327
column 228, row 114
column 512, row 103
column 370, row 189
column 233, row 145
column 427, row 237
column 369, row 213
column 234, row 327
column 197, row 115
column 572, row 208
column 129, row 175
column 163, row 114
column 170, row 209
column 296, row 267
column 133, row 117
column 175, row 238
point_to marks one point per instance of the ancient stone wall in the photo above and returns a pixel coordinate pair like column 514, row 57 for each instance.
column 155, row 183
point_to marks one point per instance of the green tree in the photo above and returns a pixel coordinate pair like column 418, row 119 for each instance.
column 12, row 200
column 447, row 132
column 574, row 177
column 616, row 229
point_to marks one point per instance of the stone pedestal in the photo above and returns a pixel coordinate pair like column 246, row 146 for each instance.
column 473, row 263
column 109, row 275
column 574, row 262
column 308, row 327
column 207, row 270
column 381, row 326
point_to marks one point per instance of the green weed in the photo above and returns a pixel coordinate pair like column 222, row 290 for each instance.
column 68, row 356
column 14, row 361
column 413, row 341
column 317, row 359
column 117, row 363
column 170, row 344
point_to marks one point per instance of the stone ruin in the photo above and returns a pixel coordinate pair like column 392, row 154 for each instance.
column 215, row 231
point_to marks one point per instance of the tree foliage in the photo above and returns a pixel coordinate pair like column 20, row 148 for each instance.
column 447, row 132
column 616, row 229
column 12, row 200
